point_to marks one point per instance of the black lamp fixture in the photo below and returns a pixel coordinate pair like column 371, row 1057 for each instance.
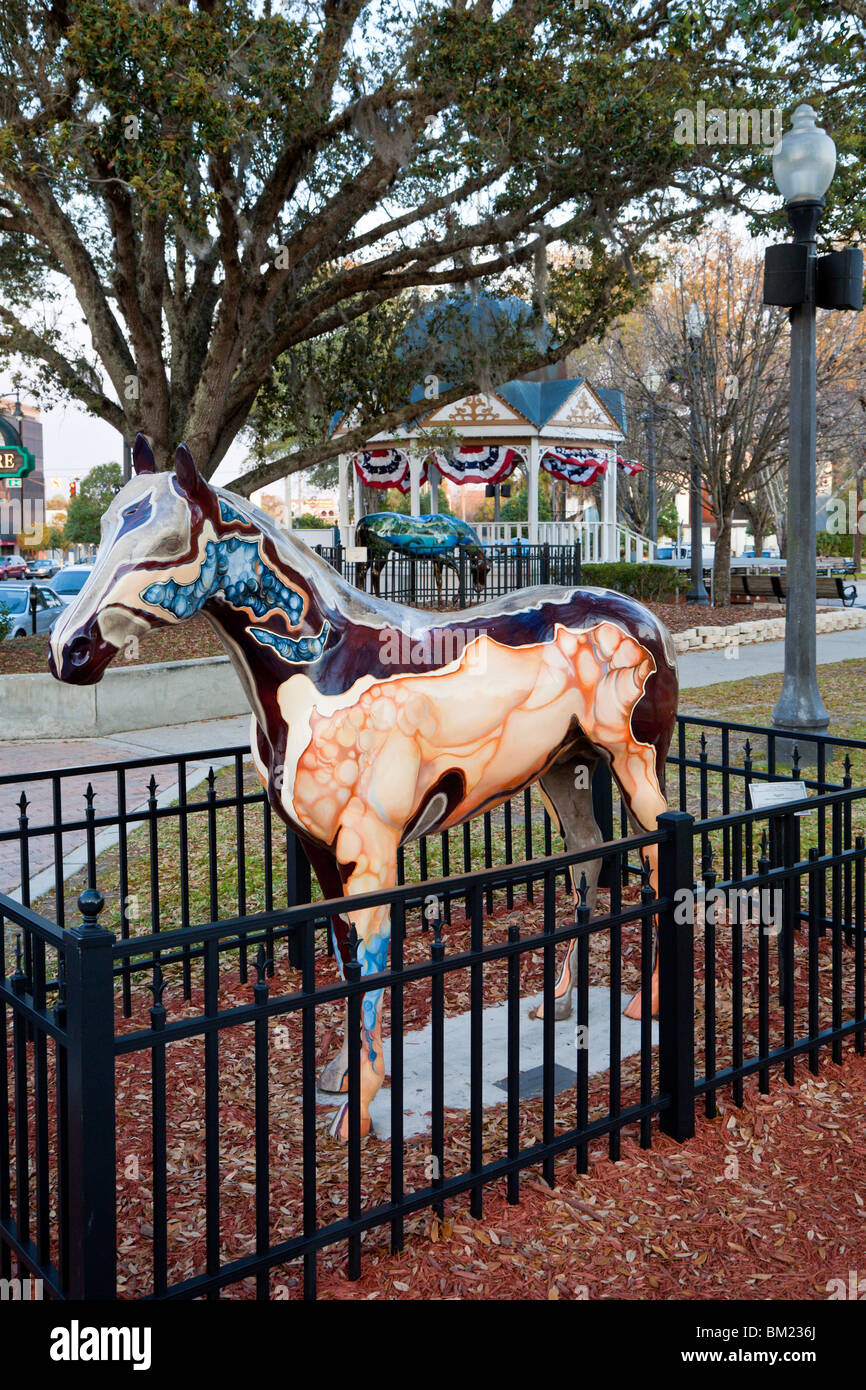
column 18, row 414
column 796, row 277
column 695, row 323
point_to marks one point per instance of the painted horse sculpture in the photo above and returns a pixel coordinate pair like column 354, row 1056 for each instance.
column 433, row 538
column 372, row 723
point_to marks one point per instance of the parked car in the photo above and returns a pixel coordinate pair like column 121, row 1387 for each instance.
column 42, row 569
column 12, row 567
column 15, row 598
column 69, row 581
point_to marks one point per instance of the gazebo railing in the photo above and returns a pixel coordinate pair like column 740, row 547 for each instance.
column 622, row 542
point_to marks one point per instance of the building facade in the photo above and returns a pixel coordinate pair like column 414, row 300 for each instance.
column 22, row 493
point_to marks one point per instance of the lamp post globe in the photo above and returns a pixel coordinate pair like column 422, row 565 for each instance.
column 804, row 161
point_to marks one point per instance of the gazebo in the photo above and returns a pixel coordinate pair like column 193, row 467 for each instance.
column 566, row 427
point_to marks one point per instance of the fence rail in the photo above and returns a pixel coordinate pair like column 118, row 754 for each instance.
column 511, row 565
column 159, row 1069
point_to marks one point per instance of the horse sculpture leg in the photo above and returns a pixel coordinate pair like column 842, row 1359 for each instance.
column 371, row 847
column 569, row 804
column 645, row 802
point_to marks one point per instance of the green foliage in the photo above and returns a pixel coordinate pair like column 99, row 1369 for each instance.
column 313, row 523
column 657, row 583
column 223, row 184
column 835, row 543
column 668, row 519
column 86, row 509
column 5, row 622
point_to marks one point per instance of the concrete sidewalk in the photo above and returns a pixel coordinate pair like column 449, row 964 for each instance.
column 698, row 669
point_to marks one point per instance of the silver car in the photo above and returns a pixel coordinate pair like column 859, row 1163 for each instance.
column 68, row 582
column 15, row 598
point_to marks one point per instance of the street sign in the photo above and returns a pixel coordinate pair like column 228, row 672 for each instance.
column 15, row 461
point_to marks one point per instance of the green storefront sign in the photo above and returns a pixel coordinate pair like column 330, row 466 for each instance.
column 15, row 461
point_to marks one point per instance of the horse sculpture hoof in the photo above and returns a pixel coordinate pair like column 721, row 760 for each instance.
column 561, row 1009
column 339, row 1126
column 334, row 1079
column 633, row 1007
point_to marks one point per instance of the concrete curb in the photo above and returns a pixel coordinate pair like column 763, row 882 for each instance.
column 132, row 697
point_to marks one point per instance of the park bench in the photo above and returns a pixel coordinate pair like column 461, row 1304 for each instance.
column 774, row 586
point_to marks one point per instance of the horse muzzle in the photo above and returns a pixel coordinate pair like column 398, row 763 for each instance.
column 81, row 659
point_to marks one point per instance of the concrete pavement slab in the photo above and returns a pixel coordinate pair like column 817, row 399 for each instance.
column 417, row 1058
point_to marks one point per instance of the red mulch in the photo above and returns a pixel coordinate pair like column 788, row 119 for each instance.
column 677, row 617
column 765, row 1202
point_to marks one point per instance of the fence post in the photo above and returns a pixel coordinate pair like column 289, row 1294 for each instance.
column 676, row 948
column 577, row 563
column 545, row 563
column 300, row 885
column 91, row 1145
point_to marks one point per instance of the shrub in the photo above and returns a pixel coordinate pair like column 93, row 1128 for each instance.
column 658, row 583
column 5, row 622
column 834, row 543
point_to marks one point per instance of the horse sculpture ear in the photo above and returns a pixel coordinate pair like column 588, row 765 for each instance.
column 191, row 481
column 142, row 456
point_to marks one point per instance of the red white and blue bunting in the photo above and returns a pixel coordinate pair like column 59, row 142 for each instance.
column 628, row 466
column 580, row 466
column 484, row 465
column 384, row 468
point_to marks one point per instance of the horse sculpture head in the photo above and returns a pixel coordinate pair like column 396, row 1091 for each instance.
column 150, row 530
column 172, row 547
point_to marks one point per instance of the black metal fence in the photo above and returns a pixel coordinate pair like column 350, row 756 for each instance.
column 422, row 583
column 160, row 1135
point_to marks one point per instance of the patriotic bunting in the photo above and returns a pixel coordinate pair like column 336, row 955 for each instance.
column 384, row 468
column 484, row 465
column 580, row 466
column 628, row 466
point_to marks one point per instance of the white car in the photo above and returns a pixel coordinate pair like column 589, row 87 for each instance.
column 69, row 582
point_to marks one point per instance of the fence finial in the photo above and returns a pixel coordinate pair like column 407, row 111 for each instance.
column 90, row 904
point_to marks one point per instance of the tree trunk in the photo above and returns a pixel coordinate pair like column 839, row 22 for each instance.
column 855, row 523
column 722, row 563
column 759, row 540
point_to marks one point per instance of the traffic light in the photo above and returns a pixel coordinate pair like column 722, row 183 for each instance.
column 72, row 489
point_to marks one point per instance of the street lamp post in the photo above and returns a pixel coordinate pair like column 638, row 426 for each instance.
column 695, row 323
column 18, row 415
column 803, row 166
column 652, row 381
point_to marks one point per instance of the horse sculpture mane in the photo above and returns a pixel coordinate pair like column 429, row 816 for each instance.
column 374, row 723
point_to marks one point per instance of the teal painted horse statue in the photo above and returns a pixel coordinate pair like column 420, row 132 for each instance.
column 437, row 538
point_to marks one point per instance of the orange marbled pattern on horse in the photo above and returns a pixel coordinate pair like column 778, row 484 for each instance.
column 368, row 766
